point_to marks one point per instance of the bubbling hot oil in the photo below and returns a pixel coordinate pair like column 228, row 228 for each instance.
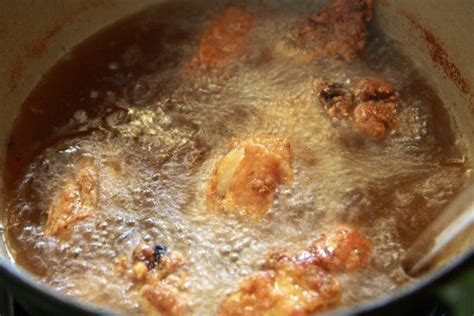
column 156, row 131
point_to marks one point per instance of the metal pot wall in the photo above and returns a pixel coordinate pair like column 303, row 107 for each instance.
column 435, row 34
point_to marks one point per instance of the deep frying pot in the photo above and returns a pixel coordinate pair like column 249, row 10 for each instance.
column 437, row 35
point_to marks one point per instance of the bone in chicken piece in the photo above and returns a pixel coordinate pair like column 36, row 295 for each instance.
column 225, row 38
column 339, row 29
column 75, row 201
column 245, row 179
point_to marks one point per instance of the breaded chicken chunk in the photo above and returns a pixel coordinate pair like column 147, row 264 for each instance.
column 376, row 112
column 371, row 89
column 160, row 275
column 339, row 29
column 343, row 249
column 375, row 118
column 225, row 38
column 161, row 299
column 300, row 282
column 291, row 288
column 245, row 179
column 336, row 99
column 371, row 104
column 75, row 201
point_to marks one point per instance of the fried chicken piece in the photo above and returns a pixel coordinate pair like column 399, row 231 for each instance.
column 375, row 114
column 372, row 104
column 339, row 29
column 150, row 256
column 335, row 97
column 161, row 299
column 154, row 264
column 161, row 276
column 254, row 297
column 344, row 249
column 246, row 178
column 145, row 254
column 291, row 288
column 371, row 89
column 162, row 293
column 374, row 118
column 225, row 38
column 76, row 200
column 170, row 263
column 300, row 282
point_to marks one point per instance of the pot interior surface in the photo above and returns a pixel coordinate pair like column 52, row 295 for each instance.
column 444, row 82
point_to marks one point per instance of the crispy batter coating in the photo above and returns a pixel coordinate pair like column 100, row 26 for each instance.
column 160, row 299
column 339, row 29
column 246, row 178
column 371, row 89
column 335, row 97
column 300, row 282
column 161, row 294
column 145, row 254
column 225, row 38
column 372, row 104
column 160, row 275
column 376, row 112
column 170, row 263
column 374, row 118
column 76, row 200
column 344, row 249
column 291, row 288
column 254, row 297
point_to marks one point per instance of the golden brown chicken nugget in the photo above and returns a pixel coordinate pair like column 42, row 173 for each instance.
column 161, row 299
column 371, row 104
column 245, row 179
column 344, row 249
column 375, row 118
column 300, row 282
column 369, row 88
column 225, row 38
column 339, row 29
column 160, row 275
column 290, row 288
column 75, row 201
column 376, row 112
column 336, row 99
